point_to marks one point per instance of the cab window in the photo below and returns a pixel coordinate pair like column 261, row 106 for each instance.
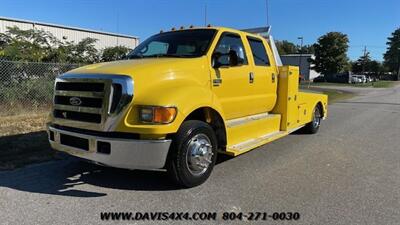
column 156, row 48
column 178, row 44
column 228, row 42
column 259, row 52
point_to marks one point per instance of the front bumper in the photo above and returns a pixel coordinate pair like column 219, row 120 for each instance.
column 114, row 152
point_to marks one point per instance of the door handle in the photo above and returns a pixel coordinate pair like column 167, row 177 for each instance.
column 251, row 77
column 217, row 82
column 273, row 78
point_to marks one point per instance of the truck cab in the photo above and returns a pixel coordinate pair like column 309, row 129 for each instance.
column 180, row 98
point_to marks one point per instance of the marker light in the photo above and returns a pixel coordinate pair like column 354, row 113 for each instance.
column 157, row 114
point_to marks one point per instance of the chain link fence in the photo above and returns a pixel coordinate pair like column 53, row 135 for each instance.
column 27, row 87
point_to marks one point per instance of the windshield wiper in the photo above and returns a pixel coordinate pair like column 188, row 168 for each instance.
column 134, row 57
column 165, row 55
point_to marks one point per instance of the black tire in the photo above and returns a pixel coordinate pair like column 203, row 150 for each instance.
column 190, row 135
column 313, row 126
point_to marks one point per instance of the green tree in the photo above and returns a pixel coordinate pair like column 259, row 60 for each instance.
column 82, row 52
column 331, row 53
column 114, row 53
column 362, row 64
column 307, row 49
column 375, row 67
column 392, row 55
column 286, row 47
column 39, row 46
column 366, row 64
column 26, row 45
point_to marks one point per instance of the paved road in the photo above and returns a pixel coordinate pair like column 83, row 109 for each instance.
column 348, row 173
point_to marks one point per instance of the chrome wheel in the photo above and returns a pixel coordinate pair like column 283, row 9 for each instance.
column 199, row 154
column 317, row 117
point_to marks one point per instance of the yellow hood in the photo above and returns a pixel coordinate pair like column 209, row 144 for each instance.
column 141, row 66
column 155, row 76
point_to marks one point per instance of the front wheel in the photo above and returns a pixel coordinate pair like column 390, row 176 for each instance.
column 313, row 126
column 193, row 154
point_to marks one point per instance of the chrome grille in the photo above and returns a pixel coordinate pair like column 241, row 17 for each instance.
column 90, row 101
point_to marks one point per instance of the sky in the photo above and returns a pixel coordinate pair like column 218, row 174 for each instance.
column 366, row 22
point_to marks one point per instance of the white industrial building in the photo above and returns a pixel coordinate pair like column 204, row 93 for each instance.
column 303, row 61
column 66, row 33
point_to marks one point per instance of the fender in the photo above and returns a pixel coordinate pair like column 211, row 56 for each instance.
column 186, row 100
column 311, row 100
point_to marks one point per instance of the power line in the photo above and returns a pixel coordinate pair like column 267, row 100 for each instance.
column 369, row 46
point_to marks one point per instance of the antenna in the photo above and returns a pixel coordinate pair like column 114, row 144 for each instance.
column 117, row 25
column 205, row 14
column 267, row 11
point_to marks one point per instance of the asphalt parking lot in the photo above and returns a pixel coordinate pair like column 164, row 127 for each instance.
column 348, row 173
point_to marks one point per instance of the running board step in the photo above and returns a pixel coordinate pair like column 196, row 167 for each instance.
column 243, row 129
column 248, row 145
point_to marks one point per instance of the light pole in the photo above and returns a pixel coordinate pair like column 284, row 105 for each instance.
column 301, row 49
column 300, row 57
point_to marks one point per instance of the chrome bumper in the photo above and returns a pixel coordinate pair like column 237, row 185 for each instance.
column 124, row 153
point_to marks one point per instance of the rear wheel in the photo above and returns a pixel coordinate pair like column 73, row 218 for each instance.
column 313, row 126
column 192, row 154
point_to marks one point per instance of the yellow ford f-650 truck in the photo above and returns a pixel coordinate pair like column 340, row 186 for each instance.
column 178, row 99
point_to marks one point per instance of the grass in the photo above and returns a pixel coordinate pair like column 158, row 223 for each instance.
column 23, row 140
column 333, row 95
column 23, row 123
column 384, row 84
column 377, row 84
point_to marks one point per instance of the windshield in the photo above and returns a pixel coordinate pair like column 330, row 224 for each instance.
column 185, row 43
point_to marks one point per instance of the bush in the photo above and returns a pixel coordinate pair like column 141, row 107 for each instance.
column 32, row 92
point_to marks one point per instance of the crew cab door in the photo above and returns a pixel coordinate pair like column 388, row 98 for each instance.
column 231, row 84
column 264, row 75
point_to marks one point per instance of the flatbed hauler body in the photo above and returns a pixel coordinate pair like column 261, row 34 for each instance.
column 180, row 98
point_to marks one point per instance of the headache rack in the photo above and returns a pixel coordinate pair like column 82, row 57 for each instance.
column 265, row 32
column 90, row 101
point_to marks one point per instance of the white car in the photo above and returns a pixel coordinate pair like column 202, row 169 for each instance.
column 355, row 80
column 363, row 78
column 359, row 79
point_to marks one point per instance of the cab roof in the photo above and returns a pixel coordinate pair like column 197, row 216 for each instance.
column 221, row 29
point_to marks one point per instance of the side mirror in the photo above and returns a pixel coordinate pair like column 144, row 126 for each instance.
column 233, row 58
column 228, row 59
column 215, row 60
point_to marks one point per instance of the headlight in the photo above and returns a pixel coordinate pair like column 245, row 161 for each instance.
column 157, row 114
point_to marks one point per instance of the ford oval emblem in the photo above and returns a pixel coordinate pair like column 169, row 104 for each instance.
column 75, row 101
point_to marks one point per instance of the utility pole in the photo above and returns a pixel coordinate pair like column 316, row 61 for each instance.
column 364, row 60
